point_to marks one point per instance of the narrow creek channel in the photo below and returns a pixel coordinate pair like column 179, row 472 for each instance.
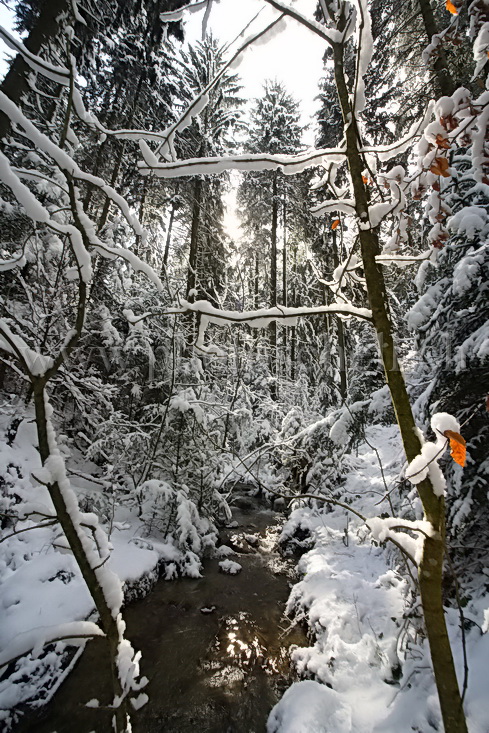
column 215, row 649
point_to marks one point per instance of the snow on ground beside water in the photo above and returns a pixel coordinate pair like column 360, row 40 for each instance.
column 41, row 586
column 353, row 600
column 350, row 596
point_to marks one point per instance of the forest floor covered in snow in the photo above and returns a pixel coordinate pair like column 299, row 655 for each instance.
column 367, row 668
column 368, row 650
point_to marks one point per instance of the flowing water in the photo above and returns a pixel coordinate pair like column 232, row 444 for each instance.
column 215, row 649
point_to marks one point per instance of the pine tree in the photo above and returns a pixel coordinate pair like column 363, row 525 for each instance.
column 265, row 198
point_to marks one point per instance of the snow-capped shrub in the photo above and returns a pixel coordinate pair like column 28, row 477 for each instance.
column 168, row 513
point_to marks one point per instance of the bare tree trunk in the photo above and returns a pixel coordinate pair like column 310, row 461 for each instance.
column 284, row 280
column 256, row 281
column 169, row 232
column 340, row 329
column 431, row 565
column 273, row 287
column 293, row 330
column 194, row 239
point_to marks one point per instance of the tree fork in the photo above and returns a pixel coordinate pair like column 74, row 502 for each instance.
column 431, row 565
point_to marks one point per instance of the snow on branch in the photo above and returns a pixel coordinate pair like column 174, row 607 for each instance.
column 33, row 362
column 92, row 121
column 39, row 213
column 64, row 161
column 34, row 640
column 345, row 206
column 58, row 74
column 330, row 35
column 260, row 318
column 425, row 464
column 403, row 260
column 173, row 16
column 388, row 529
column 365, row 49
column 289, row 164
column 387, row 152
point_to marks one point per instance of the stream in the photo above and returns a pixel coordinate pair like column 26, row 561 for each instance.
column 215, row 649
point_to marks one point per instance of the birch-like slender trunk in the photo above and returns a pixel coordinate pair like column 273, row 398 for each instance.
column 431, row 565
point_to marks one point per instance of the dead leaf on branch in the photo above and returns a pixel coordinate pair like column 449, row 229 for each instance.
column 451, row 7
column 458, row 449
column 440, row 167
column 335, row 224
column 442, row 142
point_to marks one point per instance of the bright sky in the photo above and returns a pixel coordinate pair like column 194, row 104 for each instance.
column 294, row 56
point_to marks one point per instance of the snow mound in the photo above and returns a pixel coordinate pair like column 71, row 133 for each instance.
column 230, row 567
column 309, row 707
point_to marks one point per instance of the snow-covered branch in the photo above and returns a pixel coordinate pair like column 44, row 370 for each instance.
column 33, row 641
column 289, row 164
column 58, row 74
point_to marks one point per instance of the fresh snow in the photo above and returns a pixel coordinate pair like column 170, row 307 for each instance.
column 354, row 595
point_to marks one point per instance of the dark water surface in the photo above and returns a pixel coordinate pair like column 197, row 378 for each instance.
column 217, row 672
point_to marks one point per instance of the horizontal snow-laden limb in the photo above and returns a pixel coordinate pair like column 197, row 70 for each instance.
column 263, row 317
column 260, row 318
column 34, row 641
column 173, row 16
column 289, row 164
column 389, row 529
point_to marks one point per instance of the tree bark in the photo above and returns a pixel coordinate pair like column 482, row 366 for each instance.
column 89, row 574
column 284, row 281
column 431, row 566
column 443, row 75
column 340, row 329
column 273, row 286
column 169, row 231
column 194, row 239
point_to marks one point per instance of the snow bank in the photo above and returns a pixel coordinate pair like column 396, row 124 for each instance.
column 370, row 668
column 308, row 707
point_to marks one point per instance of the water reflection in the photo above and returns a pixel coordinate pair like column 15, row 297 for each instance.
column 218, row 671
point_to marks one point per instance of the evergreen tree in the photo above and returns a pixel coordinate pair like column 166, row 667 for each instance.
column 266, row 198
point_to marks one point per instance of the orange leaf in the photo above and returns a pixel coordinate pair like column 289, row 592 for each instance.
column 365, row 179
column 451, row 7
column 442, row 142
column 335, row 224
column 457, row 446
column 440, row 167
